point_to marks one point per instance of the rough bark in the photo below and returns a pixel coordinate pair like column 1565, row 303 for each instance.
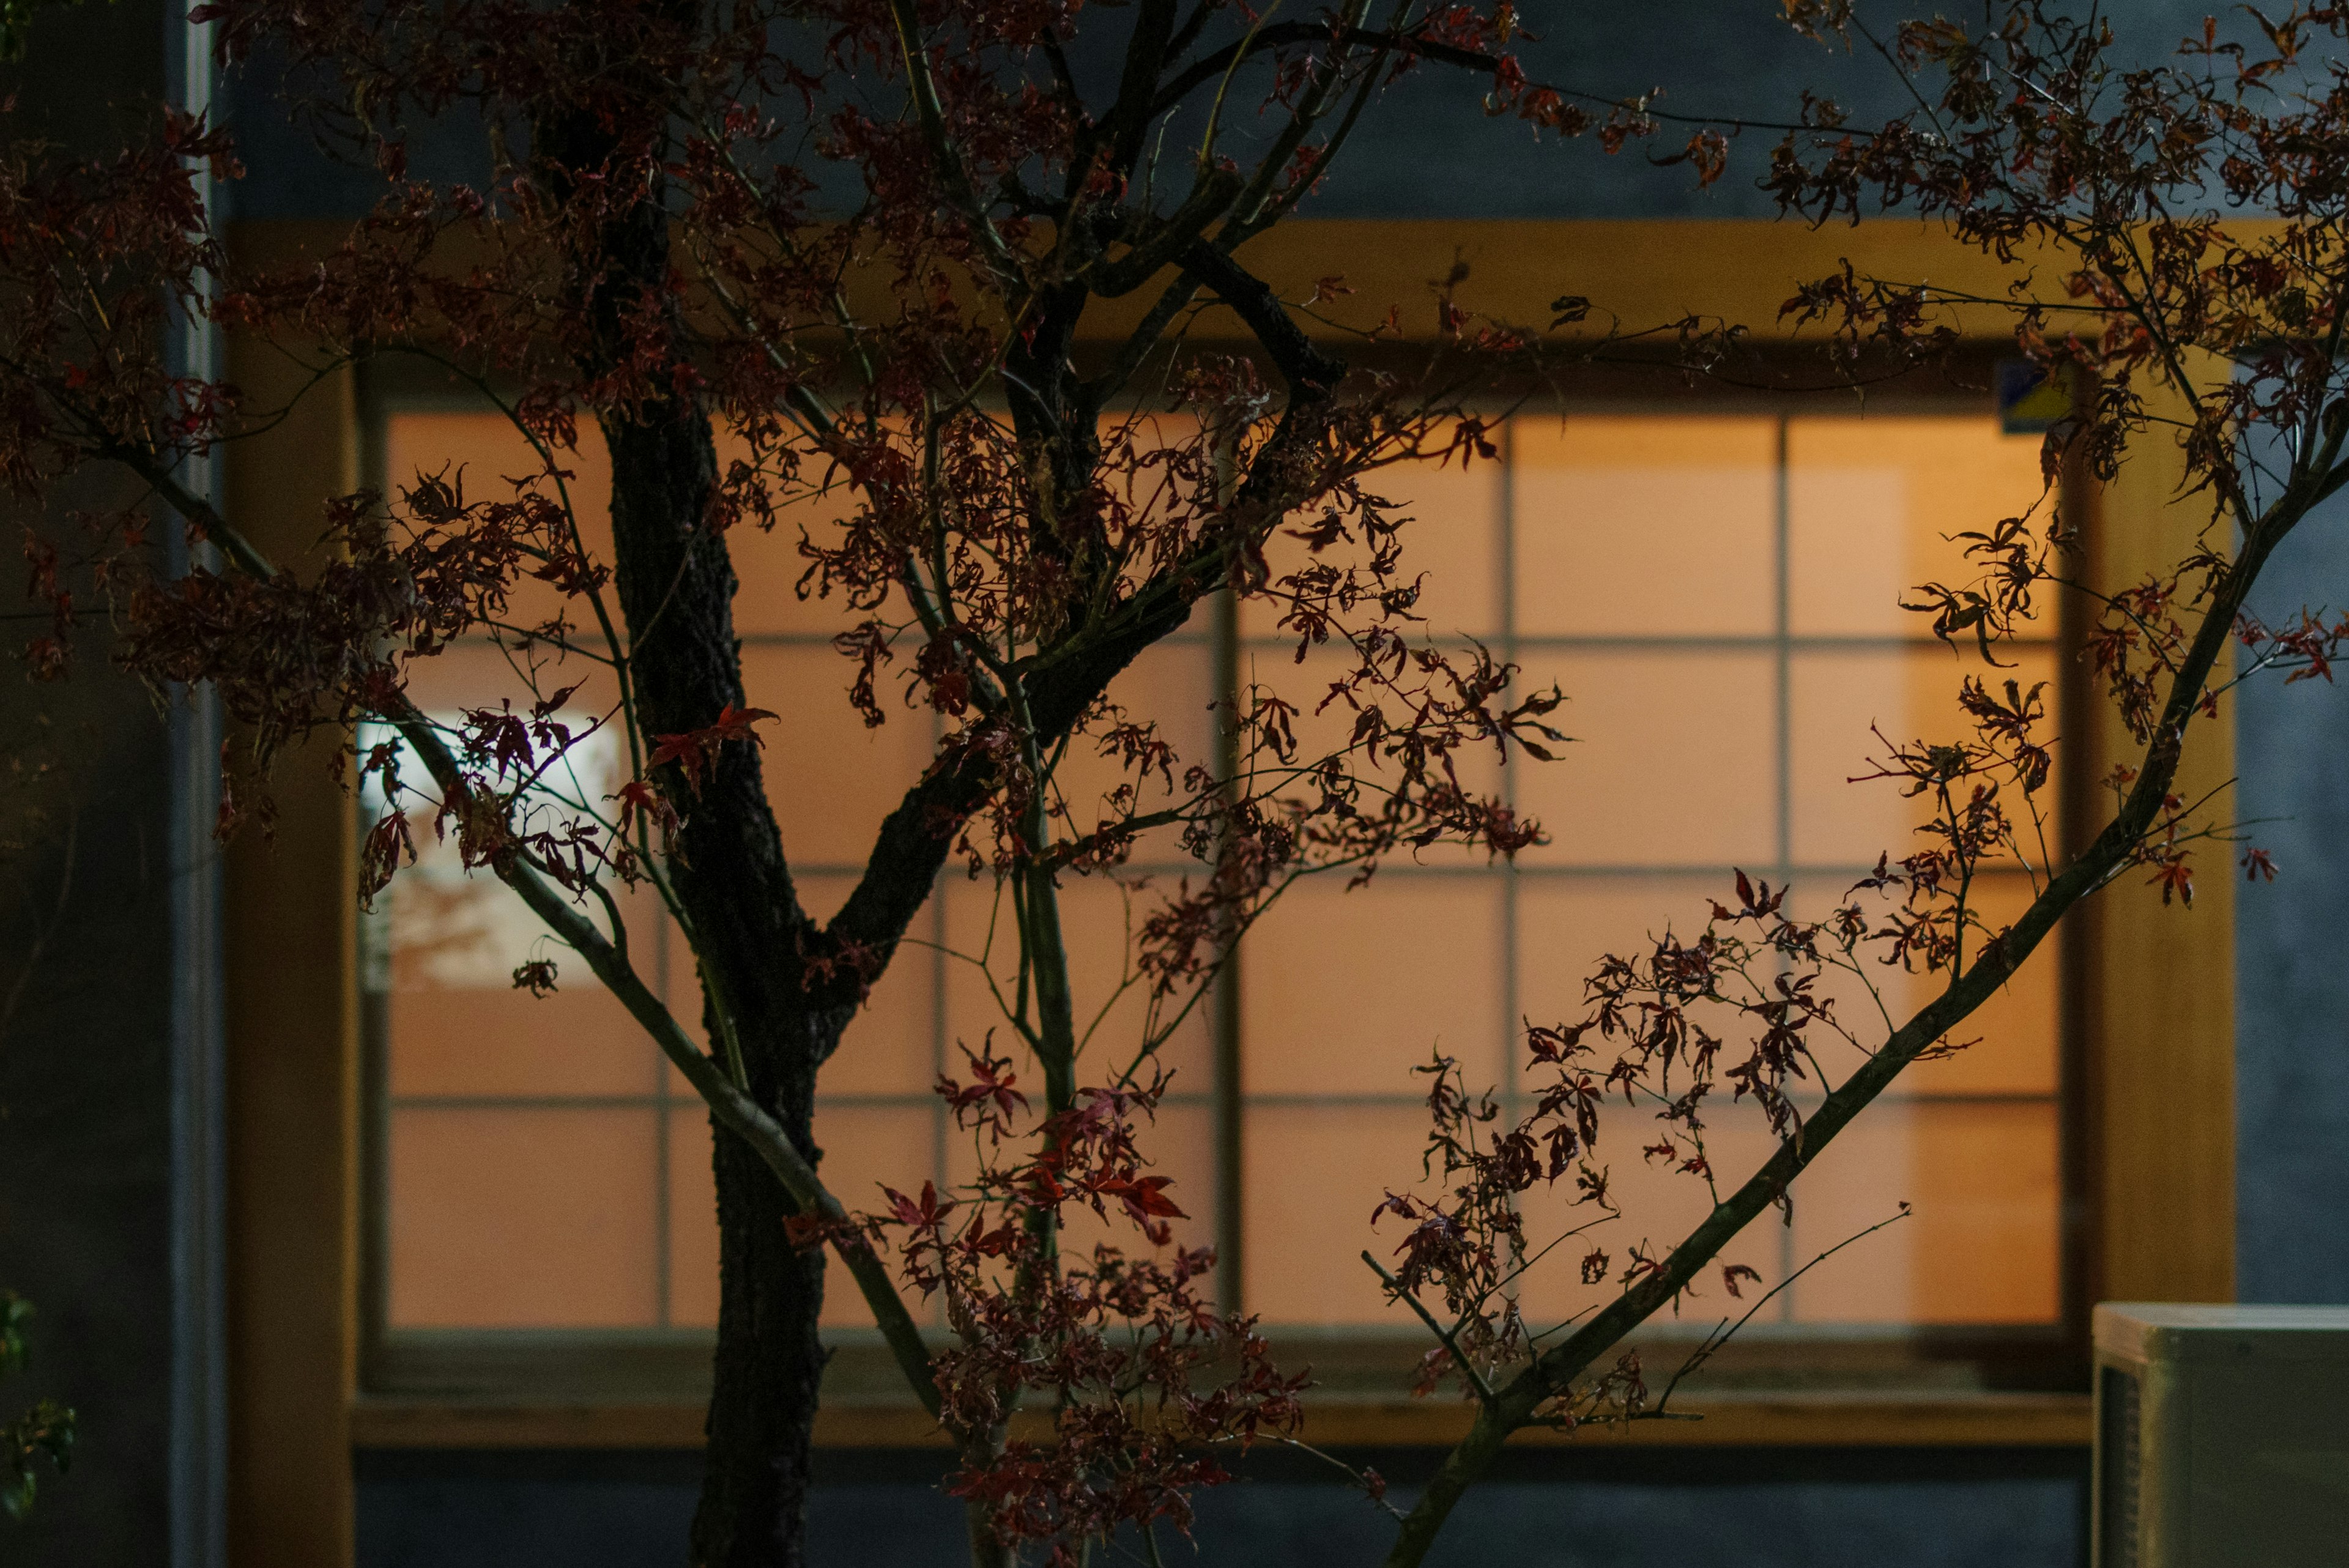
column 676, row 588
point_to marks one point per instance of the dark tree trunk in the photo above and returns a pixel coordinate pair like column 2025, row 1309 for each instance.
column 753, row 1508
column 676, row 588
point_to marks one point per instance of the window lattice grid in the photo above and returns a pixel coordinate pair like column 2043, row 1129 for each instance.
column 1702, row 589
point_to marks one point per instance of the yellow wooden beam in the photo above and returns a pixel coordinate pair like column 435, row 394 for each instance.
column 1639, row 273
column 2159, row 1008
column 292, row 1031
column 1825, row 1420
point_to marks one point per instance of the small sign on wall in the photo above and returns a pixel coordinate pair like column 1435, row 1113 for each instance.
column 2029, row 401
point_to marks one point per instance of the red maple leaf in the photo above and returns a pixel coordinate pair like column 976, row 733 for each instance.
column 922, row 1212
column 694, row 749
column 639, row 801
column 1144, row 1196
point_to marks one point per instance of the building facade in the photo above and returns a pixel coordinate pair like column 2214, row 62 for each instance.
column 248, row 1172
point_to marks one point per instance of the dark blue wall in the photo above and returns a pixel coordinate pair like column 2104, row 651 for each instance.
column 2292, row 982
column 1426, row 149
column 1578, row 1508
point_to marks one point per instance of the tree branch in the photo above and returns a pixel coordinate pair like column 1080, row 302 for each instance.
column 1555, row 1369
column 1127, row 123
column 1312, row 372
column 914, row 841
column 931, row 113
column 1444, row 1335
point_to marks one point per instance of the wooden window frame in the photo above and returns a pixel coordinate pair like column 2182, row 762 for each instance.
column 2146, row 1078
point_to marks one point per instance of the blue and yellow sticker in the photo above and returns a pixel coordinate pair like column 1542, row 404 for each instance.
column 2028, row 402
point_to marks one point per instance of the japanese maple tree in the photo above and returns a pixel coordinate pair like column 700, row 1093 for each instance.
column 665, row 254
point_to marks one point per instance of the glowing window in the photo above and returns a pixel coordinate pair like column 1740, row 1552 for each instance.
column 1717, row 596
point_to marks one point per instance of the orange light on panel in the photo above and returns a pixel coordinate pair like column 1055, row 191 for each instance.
column 1861, row 1181
column 1143, row 490
column 1875, row 506
column 864, row 1148
column 1099, row 918
column 1566, row 925
column 1673, row 760
column 481, row 675
column 578, row 1042
column 886, row 1049
column 1644, row 527
column 1327, row 723
column 1658, row 1203
column 535, row 1217
column 458, row 1025
column 1315, row 1173
column 1171, row 688
column 831, row 778
column 1989, row 1199
column 1346, row 993
column 487, row 453
column 692, row 1198
column 2007, row 1047
column 1980, row 1244
column 1841, row 697
column 769, row 568
column 454, row 937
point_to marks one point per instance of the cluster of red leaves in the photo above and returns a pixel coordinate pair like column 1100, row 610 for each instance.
column 290, row 654
column 2114, row 166
column 2026, row 135
column 1142, row 1378
column 2305, row 647
column 97, row 260
column 693, row 751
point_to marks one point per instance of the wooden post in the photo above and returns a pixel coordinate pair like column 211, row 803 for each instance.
column 293, row 1104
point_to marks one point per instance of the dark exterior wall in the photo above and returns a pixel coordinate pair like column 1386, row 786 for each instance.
column 1425, row 150
column 87, row 951
column 1580, row 1508
column 85, row 1114
column 2292, row 1033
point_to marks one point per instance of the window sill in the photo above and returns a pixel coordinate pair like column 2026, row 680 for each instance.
column 1842, row 1388
column 1839, row 1420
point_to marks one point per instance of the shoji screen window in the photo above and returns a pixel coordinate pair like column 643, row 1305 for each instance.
column 1718, row 597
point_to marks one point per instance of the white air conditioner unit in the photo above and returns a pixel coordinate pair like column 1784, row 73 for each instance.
column 2222, row 1436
